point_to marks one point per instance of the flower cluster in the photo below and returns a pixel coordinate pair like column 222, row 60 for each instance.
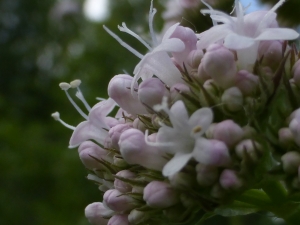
column 205, row 119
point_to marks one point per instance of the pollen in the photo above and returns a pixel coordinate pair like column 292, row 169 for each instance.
column 197, row 129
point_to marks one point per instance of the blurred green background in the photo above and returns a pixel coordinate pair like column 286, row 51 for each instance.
column 43, row 43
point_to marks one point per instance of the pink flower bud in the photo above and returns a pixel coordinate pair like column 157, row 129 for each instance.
column 121, row 185
column 206, row 175
column 219, row 64
column 230, row 180
column 138, row 124
column 271, row 51
column 151, row 91
column 87, row 150
column 296, row 73
column 118, row 201
column 201, row 74
column 137, row 217
column 135, row 150
column 229, row 132
column 97, row 214
column 158, row 194
column 194, row 58
column 291, row 162
column 248, row 147
column 181, row 180
column 248, row 131
column 233, row 99
column 189, row 39
column 211, row 152
column 119, row 91
column 246, row 82
column 294, row 126
column 115, row 133
column 176, row 91
column 119, row 219
column 286, row 136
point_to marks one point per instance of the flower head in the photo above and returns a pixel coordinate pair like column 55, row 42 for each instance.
column 243, row 33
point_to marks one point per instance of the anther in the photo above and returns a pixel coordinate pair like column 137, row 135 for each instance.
column 75, row 83
column 64, row 86
column 56, row 116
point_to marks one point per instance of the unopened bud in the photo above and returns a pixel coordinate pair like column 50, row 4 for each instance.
column 286, row 137
column 119, row 219
column 248, row 147
column 291, row 162
column 219, row 63
column 233, row 99
column 206, row 175
column 137, row 217
column 158, row 194
column 211, row 152
column 151, row 91
column 246, row 82
column 119, row 89
column 230, row 180
column 90, row 153
column 119, row 202
column 121, row 185
column 229, row 132
column 97, row 213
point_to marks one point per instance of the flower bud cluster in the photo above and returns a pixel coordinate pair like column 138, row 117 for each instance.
column 196, row 125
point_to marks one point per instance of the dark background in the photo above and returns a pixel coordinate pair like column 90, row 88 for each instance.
column 41, row 180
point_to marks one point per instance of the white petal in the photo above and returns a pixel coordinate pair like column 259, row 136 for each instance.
column 179, row 116
column 170, row 45
column 86, row 131
column 170, row 31
column 176, row 164
column 100, row 111
column 172, row 141
column 213, row 35
column 277, row 34
column 201, row 118
column 160, row 64
column 235, row 41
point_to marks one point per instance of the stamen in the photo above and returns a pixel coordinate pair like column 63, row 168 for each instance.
column 197, row 129
column 80, row 96
column 65, row 87
column 124, row 44
column 75, row 83
column 56, row 116
column 275, row 7
column 211, row 8
column 77, row 107
column 151, row 16
column 100, row 99
column 125, row 29
column 215, row 13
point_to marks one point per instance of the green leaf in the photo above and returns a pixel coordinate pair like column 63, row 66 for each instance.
column 235, row 209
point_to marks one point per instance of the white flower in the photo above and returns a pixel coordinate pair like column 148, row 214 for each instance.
column 156, row 61
column 96, row 126
column 180, row 140
column 244, row 33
